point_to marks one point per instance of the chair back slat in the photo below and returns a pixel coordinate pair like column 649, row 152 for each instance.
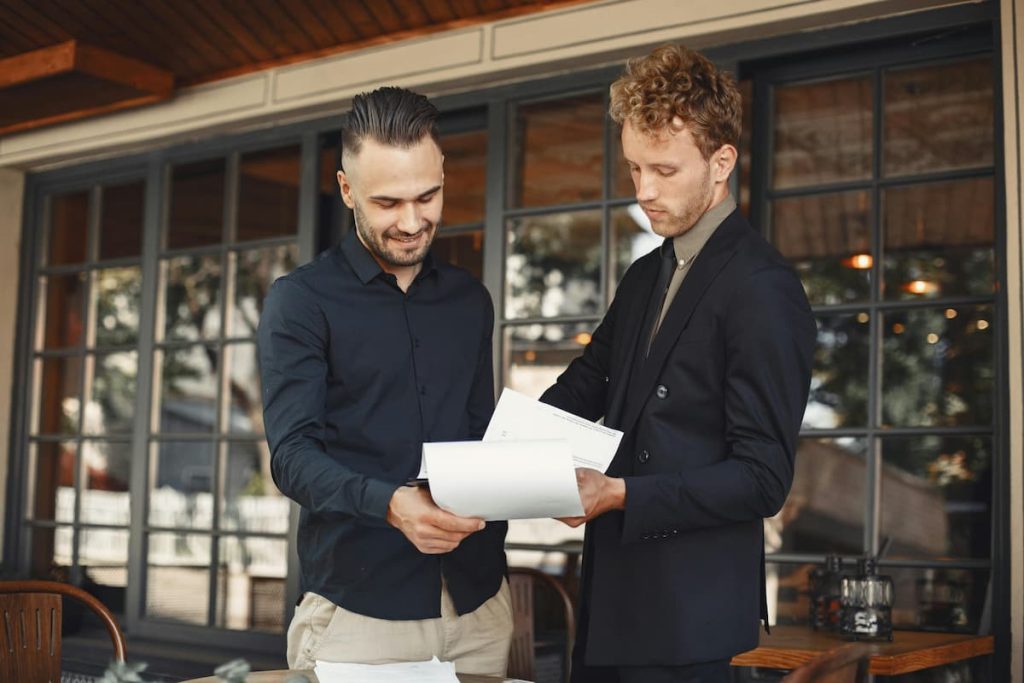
column 30, row 637
column 522, row 584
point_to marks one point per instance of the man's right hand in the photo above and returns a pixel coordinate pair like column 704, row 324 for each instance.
column 431, row 529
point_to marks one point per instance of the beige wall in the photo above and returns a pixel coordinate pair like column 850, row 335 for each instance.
column 1012, row 20
column 11, row 189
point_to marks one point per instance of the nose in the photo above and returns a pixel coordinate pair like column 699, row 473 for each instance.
column 646, row 188
column 410, row 220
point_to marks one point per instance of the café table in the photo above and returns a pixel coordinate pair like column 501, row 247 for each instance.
column 280, row 676
column 787, row 647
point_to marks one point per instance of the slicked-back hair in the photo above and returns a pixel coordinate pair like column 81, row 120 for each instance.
column 391, row 116
column 675, row 83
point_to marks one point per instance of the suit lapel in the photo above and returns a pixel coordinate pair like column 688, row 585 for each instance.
column 713, row 257
column 633, row 317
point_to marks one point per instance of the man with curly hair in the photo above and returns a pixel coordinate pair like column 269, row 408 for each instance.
column 704, row 361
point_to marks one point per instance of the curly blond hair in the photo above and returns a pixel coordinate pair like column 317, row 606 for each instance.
column 673, row 83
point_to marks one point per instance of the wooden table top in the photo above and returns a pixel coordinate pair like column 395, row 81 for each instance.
column 790, row 646
column 279, row 676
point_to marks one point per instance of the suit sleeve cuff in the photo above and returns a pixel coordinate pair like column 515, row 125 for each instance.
column 638, row 525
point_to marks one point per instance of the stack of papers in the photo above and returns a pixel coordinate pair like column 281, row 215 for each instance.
column 434, row 671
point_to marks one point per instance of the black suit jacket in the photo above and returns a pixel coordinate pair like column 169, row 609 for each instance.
column 711, row 419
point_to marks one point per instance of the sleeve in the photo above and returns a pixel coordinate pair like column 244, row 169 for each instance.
column 480, row 405
column 292, row 339
column 770, row 336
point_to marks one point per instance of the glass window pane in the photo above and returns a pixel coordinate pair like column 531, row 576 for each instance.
column 63, row 317
column 58, row 383
column 938, row 239
column 187, row 387
column 827, row 238
column 825, row 508
column 117, row 295
column 787, row 587
column 251, row 500
column 936, row 494
column 196, row 216
column 938, row 599
column 51, row 553
column 181, row 484
column 839, row 379
column 105, row 498
column 535, row 355
column 939, row 118
column 743, row 164
column 245, row 404
column 268, row 194
column 251, row 584
column 69, row 228
column 464, row 249
column 622, row 181
column 937, row 367
column 52, row 481
column 553, row 265
column 121, row 221
column 103, row 555
column 630, row 238
column 465, row 177
column 111, row 407
column 178, row 578
column 192, row 297
column 560, row 147
column 823, row 132
column 255, row 273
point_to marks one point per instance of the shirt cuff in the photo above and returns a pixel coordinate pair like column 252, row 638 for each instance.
column 377, row 498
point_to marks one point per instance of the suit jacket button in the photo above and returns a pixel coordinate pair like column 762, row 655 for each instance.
column 661, row 391
column 643, row 456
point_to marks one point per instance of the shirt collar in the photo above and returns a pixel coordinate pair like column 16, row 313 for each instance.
column 366, row 267
column 689, row 244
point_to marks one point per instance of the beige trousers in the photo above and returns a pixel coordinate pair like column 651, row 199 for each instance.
column 478, row 642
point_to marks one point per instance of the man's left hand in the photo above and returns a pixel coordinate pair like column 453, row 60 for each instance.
column 598, row 493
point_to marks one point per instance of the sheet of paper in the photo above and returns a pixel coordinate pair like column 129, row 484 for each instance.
column 433, row 671
column 503, row 479
column 519, row 417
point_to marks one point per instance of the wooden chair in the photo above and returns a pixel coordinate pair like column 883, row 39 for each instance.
column 845, row 664
column 30, row 621
column 522, row 581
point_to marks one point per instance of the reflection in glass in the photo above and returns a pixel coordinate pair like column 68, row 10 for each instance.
column 181, row 484
column 535, row 355
column 196, row 216
column 251, row 500
column 787, row 589
column 823, row 132
column 553, row 265
column 103, row 555
column 188, row 389
column 51, row 553
column 255, row 273
column 245, row 406
column 191, row 294
column 827, row 238
column 938, row 599
column 117, row 294
column 629, row 239
column 825, row 508
column 465, row 177
column 111, row 407
column 63, row 317
column 58, row 383
column 69, row 228
column 464, row 249
column 105, row 498
column 938, row 239
column 52, row 481
column 251, row 584
column 120, row 234
column 939, row 118
column 935, row 496
column 178, row 577
column 937, row 367
column 268, row 194
column 561, row 150
column 839, row 379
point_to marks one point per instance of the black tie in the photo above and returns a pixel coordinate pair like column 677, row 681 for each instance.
column 658, row 294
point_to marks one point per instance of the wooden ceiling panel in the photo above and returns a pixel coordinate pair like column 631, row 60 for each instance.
column 412, row 11
column 386, row 16
column 334, row 19
column 282, row 23
column 366, row 26
column 314, row 25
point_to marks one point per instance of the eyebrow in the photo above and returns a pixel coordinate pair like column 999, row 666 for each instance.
column 385, row 198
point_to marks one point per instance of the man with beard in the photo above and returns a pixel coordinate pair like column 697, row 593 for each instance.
column 366, row 353
column 704, row 361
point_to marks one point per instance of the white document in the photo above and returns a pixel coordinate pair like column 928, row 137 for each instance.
column 433, row 671
column 501, row 480
column 519, row 417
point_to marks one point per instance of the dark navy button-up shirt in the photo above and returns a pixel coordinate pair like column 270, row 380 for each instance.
column 357, row 374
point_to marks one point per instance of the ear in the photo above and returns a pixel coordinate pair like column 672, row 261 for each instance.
column 723, row 161
column 346, row 190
